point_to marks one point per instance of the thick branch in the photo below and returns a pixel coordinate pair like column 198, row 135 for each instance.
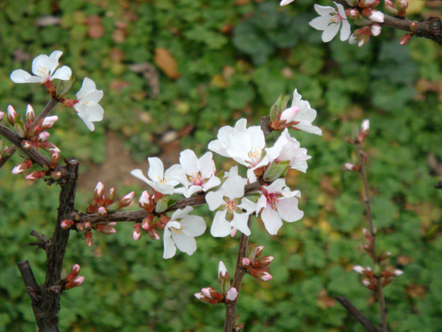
column 352, row 310
column 50, row 105
column 237, row 279
column 430, row 28
column 134, row 216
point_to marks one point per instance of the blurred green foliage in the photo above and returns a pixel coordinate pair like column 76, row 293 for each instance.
column 234, row 58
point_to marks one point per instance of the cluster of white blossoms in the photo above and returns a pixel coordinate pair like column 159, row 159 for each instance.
column 230, row 196
column 45, row 70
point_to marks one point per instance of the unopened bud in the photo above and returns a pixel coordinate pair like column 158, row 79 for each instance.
column 212, row 294
column 43, row 137
column 78, row 281
column 405, row 39
column 102, row 211
column 105, row 229
column 12, row 115
column 55, row 158
column 126, row 200
column 145, row 202
column 30, row 115
column 66, row 224
column 231, row 295
column 35, row 175
column 2, row 115
column 413, row 26
column 110, row 196
column 258, row 251
column 23, row 166
column 359, row 269
column 245, row 261
column 99, row 190
column 261, row 275
column 351, row 167
column 48, row 122
column 26, row 144
column 136, row 233
column 88, row 238
column 153, row 234
column 385, row 255
column 264, row 261
column 80, row 226
column 88, row 225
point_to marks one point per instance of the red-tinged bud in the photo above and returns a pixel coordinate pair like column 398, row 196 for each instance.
column 12, row 115
column 258, row 251
column 163, row 220
column 146, row 202
column 105, row 229
column 80, row 226
column 231, row 295
column 51, row 147
column 402, row 5
column 352, row 168
column 102, row 211
column 368, row 284
column 43, row 137
column 153, row 234
column 126, row 200
column 261, row 275
column 69, row 102
column 413, row 28
column 48, row 122
column 30, row 115
column 136, row 233
column 99, row 190
column 88, row 225
column 23, row 166
column 147, row 222
column 368, row 3
column 264, row 261
column 359, row 269
column 110, row 197
column 405, row 39
column 205, row 299
column 212, row 294
column 75, row 269
column 55, row 158
column 35, row 175
column 88, row 238
column 78, row 281
column 2, row 115
column 67, row 223
column 56, row 175
column 245, row 262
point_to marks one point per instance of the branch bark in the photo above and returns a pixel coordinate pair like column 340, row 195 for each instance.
column 352, row 310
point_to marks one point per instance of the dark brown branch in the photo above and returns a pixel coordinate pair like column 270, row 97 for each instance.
column 134, row 216
column 31, row 284
column 237, row 279
column 43, row 242
column 50, row 105
column 430, row 28
column 352, row 310
column 48, row 304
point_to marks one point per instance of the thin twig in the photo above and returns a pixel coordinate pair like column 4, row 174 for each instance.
column 356, row 314
column 237, row 279
column 372, row 248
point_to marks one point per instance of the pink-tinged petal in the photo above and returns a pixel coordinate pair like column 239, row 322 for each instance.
column 21, row 76
column 345, row 30
column 139, row 174
column 156, row 169
column 193, row 225
column 240, row 223
column 341, row 10
column 271, row 219
column 220, row 226
column 189, row 161
column 184, row 243
column 288, row 209
column 169, row 246
column 324, row 10
column 64, row 73
column 40, row 67
column 330, row 32
column 320, row 23
column 215, row 199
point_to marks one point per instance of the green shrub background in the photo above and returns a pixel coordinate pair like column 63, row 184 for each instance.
column 234, row 59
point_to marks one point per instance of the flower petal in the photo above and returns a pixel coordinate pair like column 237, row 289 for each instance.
column 330, row 32
column 288, row 209
column 220, row 226
column 271, row 219
column 21, row 76
column 184, row 242
column 64, row 73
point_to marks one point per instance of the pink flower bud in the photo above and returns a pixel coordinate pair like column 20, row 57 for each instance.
column 105, row 229
column 88, row 238
column 75, row 269
column 56, row 175
column 398, row 272
column 80, row 226
column 136, row 233
column 30, row 115
column 258, row 251
column 245, row 262
column 2, row 114
column 289, row 114
column 55, row 158
column 264, row 261
column 145, row 224
column 231, row 295
column 222, row 270
column 126, row 200
column 375, row 29
column 12, row 115
column 23, row 166
column 212, row 294
column 78, row 281
column 110, row 196
column 48, row 122
column 359, row 269
column 88, row 225
column 205, row 299
column 405, row 39
column 145, row 201
column 102, row 211
column 365, row 126
column 35, row 175
column 153, row 234
column 99, row 190
column 66, row 224
column 43, row 137
column 261, row 275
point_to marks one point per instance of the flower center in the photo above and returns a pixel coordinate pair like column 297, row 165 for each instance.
column 196, row 179
column 162, row 180
column 255, row 155
column 177, row 231
column 43, row 70
column 336, row 18
column 231, row 207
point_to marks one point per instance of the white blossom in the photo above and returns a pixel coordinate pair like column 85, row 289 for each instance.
column 87, row 106
column 330, row 21
column 305, row 116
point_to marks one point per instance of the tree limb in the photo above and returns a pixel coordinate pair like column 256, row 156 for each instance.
column 352, row 310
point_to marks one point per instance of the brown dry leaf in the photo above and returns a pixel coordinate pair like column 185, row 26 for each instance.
column 166, row 62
